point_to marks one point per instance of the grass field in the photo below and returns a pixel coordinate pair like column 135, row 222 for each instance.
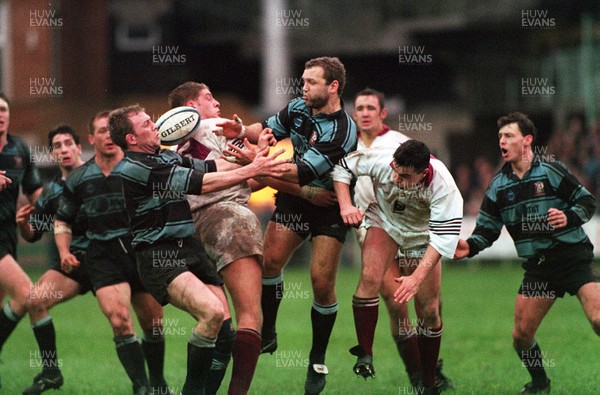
column 476, row 345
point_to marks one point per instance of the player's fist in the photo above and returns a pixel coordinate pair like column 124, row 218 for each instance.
column 462, row 249
column 351, row 215
column 557, row 218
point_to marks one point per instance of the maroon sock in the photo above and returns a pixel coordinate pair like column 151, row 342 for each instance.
column 366, row 311
column 429, row 349
column 408, row 348
column 245, row 357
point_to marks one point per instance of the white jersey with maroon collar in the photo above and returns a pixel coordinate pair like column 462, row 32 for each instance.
column 208, row 146
column 428, row 214
column 363, row 190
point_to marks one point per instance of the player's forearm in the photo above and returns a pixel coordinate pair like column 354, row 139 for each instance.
column 280, row 185
column 27, row 232
column 212, row 182
column 33, row 197
column 225, row 165
column 291, row 174
column 253, row 132
column 342, row 190
column 429, row 260
column 62, row 237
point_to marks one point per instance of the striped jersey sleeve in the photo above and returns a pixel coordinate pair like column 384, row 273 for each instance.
column 445, row 221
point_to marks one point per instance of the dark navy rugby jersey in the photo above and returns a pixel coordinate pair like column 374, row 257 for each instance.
column 101, row 199
column 155, row 188
column 15, row 159
column 42, row 219
column 319, row 141
column 522, row 205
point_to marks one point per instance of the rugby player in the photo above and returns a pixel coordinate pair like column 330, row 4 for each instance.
column 419, row 211
column 321, row 133
column 95, row 188
column 55, row 285
column 158, row 223
column 543, row 207
column 369, row 114
column 17, row 172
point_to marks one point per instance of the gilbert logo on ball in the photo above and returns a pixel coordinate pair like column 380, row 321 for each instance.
column 177, row 125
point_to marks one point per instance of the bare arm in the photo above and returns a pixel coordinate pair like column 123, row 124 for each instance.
column 350, row 214
column 317, row 196
column 23, row 215
column 233, row 129
column 33, row 197
column 409, row 285
column 62, row 237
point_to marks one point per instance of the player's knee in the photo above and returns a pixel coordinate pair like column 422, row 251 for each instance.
column 522, row 338
column 215, row 315
column 120, row 320
column 370, row 282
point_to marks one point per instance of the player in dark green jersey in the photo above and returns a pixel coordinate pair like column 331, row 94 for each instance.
column 55, row 286
column 543, row 207
column 17, row 172
column 95, row 188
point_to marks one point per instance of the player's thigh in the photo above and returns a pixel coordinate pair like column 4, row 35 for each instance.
column 242, row 278
column 53, row 288
column 190, row 294
column 529, row 313
column 324, row 259
column 280, row 243
column 148, row 311
column 389, row 286
column 589, row 296
column 115, row 299
column 13, row 279
column 427, row 298
column 378, row 253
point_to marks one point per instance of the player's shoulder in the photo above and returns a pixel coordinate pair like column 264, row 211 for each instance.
column 17, row 145
column 298, row 105
column 392, row 136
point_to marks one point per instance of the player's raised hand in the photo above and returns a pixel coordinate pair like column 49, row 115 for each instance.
column 557, row 218
column 232, row 128
column 243, row 156
column 462, row 249
column 351, row 215
column 266, row 138
column 408, row 288
column 4, row 180
column 269, row 166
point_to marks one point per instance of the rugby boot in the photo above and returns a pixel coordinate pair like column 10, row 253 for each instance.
column 315, row 379
column 532, row 388
column 268, row 344
column 364, row 364
column 47, row 379
column 441, row 381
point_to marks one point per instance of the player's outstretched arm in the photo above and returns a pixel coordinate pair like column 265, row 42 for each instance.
column 409, row 285
column 235, row 129
column 62, row 237
column 318, row 196
column 22, row 219
column 350, row 214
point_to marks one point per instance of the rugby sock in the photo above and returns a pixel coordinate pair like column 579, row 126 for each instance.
column 245, row 358
column 429, row 349
column 45, row 335
column 366, row 311
column 322, row 318
column 8, row 323
column 532, row 360
column 272, row 293
column 408, row 348
column 221, row 357
column 200, row 353
column 131, row 356
column 153, row 346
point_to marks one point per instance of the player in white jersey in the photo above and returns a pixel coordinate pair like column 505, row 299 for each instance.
column 218, row 216
column 369, row 114
column 419, row 211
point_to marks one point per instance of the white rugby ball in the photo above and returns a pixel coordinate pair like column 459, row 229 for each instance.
column 177, row 125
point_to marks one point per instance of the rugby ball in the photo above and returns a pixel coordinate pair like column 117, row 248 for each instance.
column 177, row 125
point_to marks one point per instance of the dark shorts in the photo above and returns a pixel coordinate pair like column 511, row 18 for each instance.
column 113, row 262
column 564, row 268
column 8, row 240
column 161, row 262
column 304, row 218
column 79, row 275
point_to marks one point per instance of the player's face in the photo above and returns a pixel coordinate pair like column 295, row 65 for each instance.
column 145, row 135
column 4, row 116
column 315, row 90
column 206, row 104
column 100, row 139
column 368, row 114
column 513, row 145
column 65, row 151
column 407, row 177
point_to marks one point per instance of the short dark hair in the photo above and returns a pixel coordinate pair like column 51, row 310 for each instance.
column 62, row 128
column 101, row 114
column 372, row 92
column 333, row 70
column 412, row 153
column 3, row 97
column 119, row 124
column 184, row 92
column 525, row 124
